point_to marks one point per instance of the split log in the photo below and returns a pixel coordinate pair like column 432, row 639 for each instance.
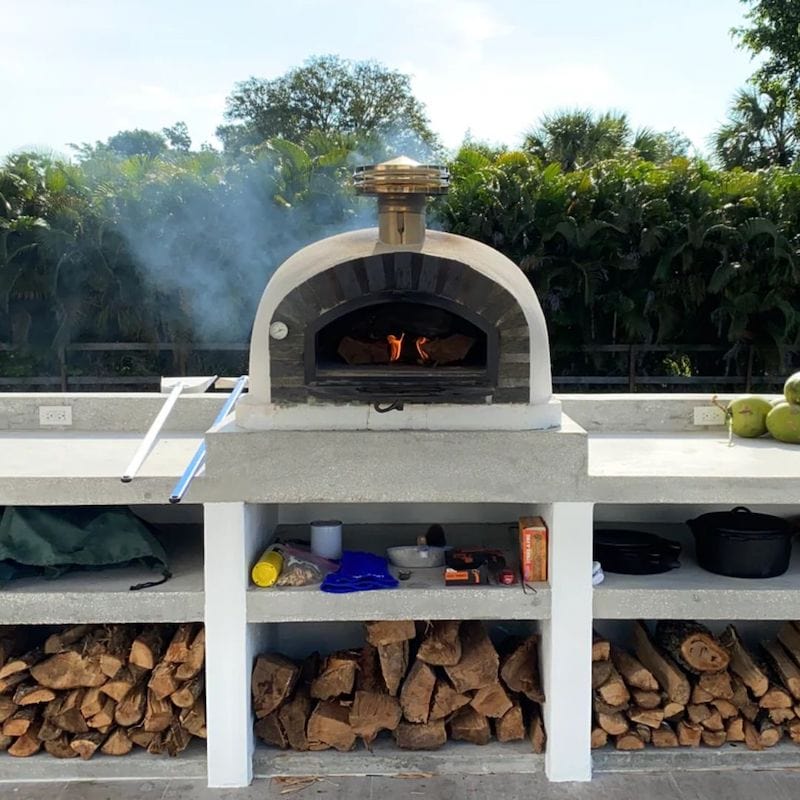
column 117, row 744
column 734, row 731
column 130, row 710
column 492, row 701
column 48, row 731
column 20, row 722
column 178, row 649
column 668, row 675
column 123, row 683
column 274, row 677
column 469, row 726
column 5, row 742
column 139, row 736
column 614, row 691
column 613, row 724
column 778, row 716
column 652, row 718
column 7, row 684
column 58, row 642
column 186, row 696
column 629, row 741
column 373, row 712
column 511, row 726
column 28, row 744
column 441, row 645
column 390, row 632
column 769, row 734
column 329, row 724
column 411, row 736
column 147, row 648
column 157, row 746
column 717, row 684
column 194, row 719
column 664, row 736
column 163, row 682
column 196, row 658
column 105, row 717
column 643, row 732
column 599, row 738
column 698, row 713
column 69, row 670
column 537, row 733
column 785, row 668
column 601, row 648
column 700, row 695
column 271, row 732
column 742, row 663
column 775, row 697
column 22, row 663
column 793, row 729
column 604, row 708
column 7, row 707
column 337, row 676
column 692, row 646
column 741, row 699
column 92, row 702
column 601, row 671
column 689, row 733
column 713, row 738
column 60, row 748
column 726, row 709
column 520, row 670
column 114, row 647
column 368, row 674
column 28, row 694
column 751, row 736
column 673, row 710
column 713, row 722
column 176, row 739
column 635, row 674
column 157, row 715
column 86, row 744
column 394, row 664
column 65, row 712
column 479, row 662
column 415, row 696
column 446, row 700
column 646, row 699
column 448, row 350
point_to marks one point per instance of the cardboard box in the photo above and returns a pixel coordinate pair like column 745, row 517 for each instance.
column 533, row 549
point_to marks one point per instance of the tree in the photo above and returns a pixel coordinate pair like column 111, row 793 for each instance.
column 138, row 142
column 329, row 95
column 178, row 137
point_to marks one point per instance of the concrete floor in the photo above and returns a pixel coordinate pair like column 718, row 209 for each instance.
column 724, row 785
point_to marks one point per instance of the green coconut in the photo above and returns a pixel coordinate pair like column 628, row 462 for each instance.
column 748, row 415
column 783, row 422
column 791, row 389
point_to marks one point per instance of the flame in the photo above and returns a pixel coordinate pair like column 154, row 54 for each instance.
column 421, row 340
column 395, row 346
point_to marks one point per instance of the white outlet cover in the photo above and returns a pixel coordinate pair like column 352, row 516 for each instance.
column 709, row 415
column 55, row 415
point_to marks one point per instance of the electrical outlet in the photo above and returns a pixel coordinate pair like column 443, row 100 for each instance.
column 709, row 415
column 55, row 415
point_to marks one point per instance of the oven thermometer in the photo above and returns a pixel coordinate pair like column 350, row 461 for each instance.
column 278, row 330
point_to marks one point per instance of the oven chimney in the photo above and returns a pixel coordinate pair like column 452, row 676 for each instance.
column 401, row 186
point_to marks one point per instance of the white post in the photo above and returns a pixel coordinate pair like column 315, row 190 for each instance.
column 567, row 643
column 234, row 532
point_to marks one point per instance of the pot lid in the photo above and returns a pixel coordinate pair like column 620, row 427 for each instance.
column 623, row 538
column 743, row 520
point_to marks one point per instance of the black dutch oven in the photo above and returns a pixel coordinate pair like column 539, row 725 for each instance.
column 742, row 544
column 630, row 552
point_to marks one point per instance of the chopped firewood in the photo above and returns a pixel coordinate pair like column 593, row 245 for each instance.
column 337, row 676
column 194, row 719
column 742, row 663
column 373, row 712
column 21, row 663
column 643, row 732
column 86, row 744
column 7, row 684
column 775, row 697
column 741, row 699
column 520, row 670
column 162, row 681
column 491, row 701
column 448, row 350
column 140, row 737
column 692, row 646
column 394, row 664
column 698, row 713
column 646, row 699
column 780, row 715
column 785, row 668
column 329, row 724
column 358, row 351
column 751, row 736
column 28, row 694
column 7, row 707
column 58, row 642
column 713, row 722
column 130, row 710
column 412, row 736
column 700, row 695
column 652, row 718
column 793, row 729
column 689, row 733
column 604, row 708
column 274, row 677
column 117, row 744
column 769, row 734
column 176, row 739
column 717, row 684
column 511, row 726
column 368, row 673
column 390, row 631
column 60, row 747
column 147, row 648
column 92, row 702
column 158, row 715
column 713, row 738
column 115, row 647
column 537, row 734
column 69, row 670
column 5, row 742
column 601, row 671
column 415, row 696
column 28, row 744
column 178, row 649
column 664, row 736
column 726, row 709
column 601, row 648
column 673, row 710
column 104, row 717
column 636, row 675
column 479, row 662
column 441, row 645
column 186, row 695
column 469, row 726
column 668, row 675
column 18, row 724
column 65, row 712
column 734, row 731
column 614, row 724
column 614, row 691
column 599, row 738
column 196, row 658
column 629, row 741
column 446, row 700
column 49, row 730
column 271, row 732
column 157, row 746
column 124, row 682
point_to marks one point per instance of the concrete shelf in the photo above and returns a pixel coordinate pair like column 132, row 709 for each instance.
column 455, row 758
column 692, row 593
column 105, row 596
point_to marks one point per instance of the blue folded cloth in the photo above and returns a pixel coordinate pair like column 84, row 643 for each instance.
column 359, row 572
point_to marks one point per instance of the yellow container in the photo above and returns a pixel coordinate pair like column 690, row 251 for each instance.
column 267, row 569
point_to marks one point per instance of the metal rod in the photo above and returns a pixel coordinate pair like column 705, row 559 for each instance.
column 200, row 454
column 150, row 437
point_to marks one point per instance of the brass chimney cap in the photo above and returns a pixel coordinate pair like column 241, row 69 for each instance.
column 401, row 175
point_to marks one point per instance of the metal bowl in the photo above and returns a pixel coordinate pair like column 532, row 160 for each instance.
column 416, row 556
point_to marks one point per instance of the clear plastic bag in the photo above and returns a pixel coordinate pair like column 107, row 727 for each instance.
column 302, row 567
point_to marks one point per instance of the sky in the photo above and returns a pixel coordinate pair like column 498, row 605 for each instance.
column 81, row 70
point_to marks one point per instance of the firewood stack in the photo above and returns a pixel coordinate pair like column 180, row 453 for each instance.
column 685, row 687
column 423, row 682
column 102, row 687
